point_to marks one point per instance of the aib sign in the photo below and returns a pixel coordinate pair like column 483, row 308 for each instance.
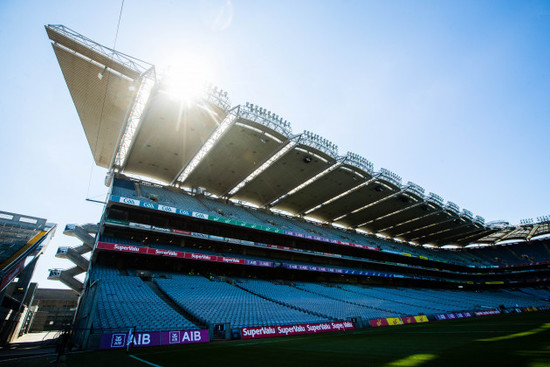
column 153, row 338
column 118, row 340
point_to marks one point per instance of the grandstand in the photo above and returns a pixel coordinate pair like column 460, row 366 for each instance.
column 22, row 240
column 221, row 222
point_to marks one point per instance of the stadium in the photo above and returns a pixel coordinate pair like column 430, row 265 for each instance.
column 224, row 224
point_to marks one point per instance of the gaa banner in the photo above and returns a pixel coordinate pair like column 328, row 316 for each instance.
column 273, row 331
column 394, row 321
column 389, row 321
column 378, row 322
column 152, row 339
column 414, row 319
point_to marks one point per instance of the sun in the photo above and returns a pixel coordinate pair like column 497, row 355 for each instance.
column 186, row 79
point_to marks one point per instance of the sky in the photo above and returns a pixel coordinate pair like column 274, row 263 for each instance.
column 451, row 95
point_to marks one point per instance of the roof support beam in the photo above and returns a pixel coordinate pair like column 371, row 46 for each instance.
column 355, row 188
column 409, row 221
column 284, row 149
column 533, row 231
column 133, row 120
column 421, row 202
column 430, row 237
column 413, row 231
column 459, row 237
column 207, row 146
column 336, row 164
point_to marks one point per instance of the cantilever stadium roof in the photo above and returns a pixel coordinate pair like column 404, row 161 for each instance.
column 245, row 153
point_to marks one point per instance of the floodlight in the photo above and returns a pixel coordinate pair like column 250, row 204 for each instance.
column 100, row 75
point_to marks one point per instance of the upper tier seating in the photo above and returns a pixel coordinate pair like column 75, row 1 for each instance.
column 491, row 256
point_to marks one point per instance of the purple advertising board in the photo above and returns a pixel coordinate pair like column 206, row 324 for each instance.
column 452, row 316
column 153, row 338
column 286, row 330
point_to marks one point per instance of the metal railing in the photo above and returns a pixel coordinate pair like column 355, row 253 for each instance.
column 359, row 162
column 315, row 141
column 130, row 62
column 452, row 207
column 498, row 224
column 479, row 220
column 266, row 118
column 390, row 176
column 434, row 199
column 217, row 97
column 467, row 214
column 414, row 189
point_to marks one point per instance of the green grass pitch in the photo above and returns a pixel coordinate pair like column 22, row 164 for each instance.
column 504, row 340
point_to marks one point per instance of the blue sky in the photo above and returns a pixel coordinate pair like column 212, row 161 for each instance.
column 453, row 96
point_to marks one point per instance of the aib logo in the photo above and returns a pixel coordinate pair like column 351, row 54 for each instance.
column 174, row 337
column 118, row 340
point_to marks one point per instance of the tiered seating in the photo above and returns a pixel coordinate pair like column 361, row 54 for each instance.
column 126, row 301
column 275, row 221
column 464, row 300
column 539, row 293
column 477, row 257
column 124, row 188
column 439, row 299
column 314, row 303
column 14, row 234
column 228, row 254
column 170, row 198
column 216, row 302
column 531, row 252
column 374, row 297
column 230, row 211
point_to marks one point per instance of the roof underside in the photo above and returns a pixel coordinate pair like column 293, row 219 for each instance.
column 101, row 103
column 169, row 136
column 248, row 154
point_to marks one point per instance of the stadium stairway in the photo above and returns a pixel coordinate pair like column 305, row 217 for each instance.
column 75, row 254
column 170, row 302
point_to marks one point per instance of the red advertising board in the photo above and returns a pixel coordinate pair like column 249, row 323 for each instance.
column 181, row 232
column 122, row 248
column 378, row 322
column 170, row 253
column 408, row 320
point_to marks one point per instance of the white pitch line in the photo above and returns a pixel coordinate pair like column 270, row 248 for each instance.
column 144, row 361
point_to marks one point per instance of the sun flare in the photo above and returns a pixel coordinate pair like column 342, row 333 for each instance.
column 187, row 79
